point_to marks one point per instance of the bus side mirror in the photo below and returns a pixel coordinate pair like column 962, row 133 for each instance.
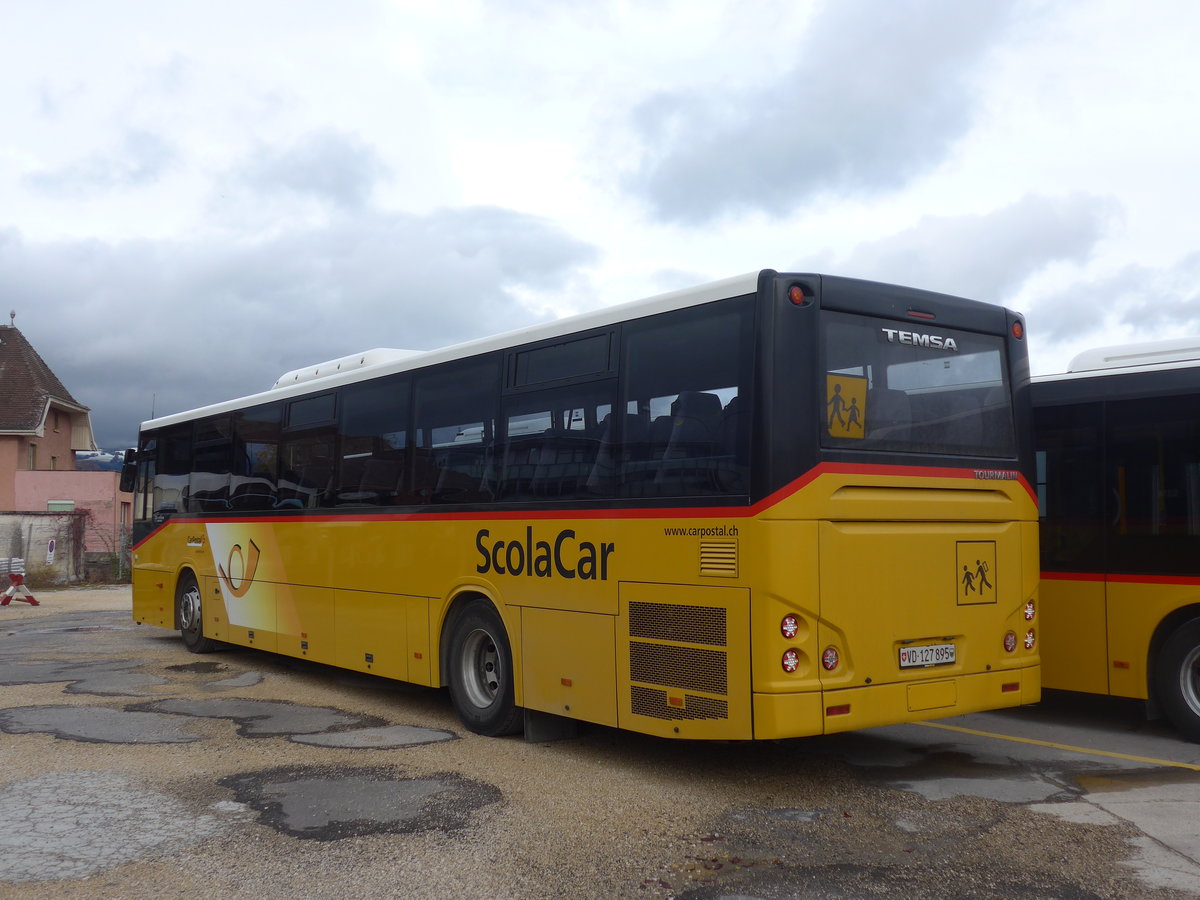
column 129, row 471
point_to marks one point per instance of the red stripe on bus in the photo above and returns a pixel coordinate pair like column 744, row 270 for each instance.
column 1072, row 576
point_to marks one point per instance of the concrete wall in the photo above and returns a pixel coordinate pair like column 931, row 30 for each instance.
column 28, row 534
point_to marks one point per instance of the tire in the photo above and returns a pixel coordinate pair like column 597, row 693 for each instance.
column 1177, row 679
column 189, row 613
column 481, row 672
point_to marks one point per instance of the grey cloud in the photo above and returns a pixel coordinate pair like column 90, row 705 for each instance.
column 1152, row 302
column 990, row 256
column 139, row 160
column 878, row 95
column 336, row 168
column 181, row 325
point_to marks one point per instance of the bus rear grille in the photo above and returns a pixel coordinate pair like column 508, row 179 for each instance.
column 653, row 703
column 719, row 558
column 687, row 668
column 680, row 624
column 674, row 649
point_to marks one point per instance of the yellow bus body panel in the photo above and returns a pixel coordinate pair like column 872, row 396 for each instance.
column 1074, row 635
column 666, row 622
column 1099, row 632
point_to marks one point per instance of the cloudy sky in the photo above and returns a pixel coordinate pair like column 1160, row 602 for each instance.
column 196, row 197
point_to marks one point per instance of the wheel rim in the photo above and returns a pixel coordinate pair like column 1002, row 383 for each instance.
column 189, row 609
column 480, row 669
column 1189, row 680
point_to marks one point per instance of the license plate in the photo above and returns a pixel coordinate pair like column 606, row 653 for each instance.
column 927, row 655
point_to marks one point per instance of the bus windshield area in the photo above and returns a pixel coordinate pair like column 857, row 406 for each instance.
column 912, row 388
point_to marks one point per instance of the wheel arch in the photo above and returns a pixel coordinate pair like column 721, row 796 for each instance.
column 459, row 599
column 1168, row 626
column 186, row 568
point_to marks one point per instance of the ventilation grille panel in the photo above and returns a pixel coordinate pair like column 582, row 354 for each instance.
column 653, row 703
column 679, row 624
column 679, row 667
column 719, row 559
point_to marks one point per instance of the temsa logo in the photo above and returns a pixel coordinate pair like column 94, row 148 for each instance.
column 931, row 341
column 564, row 556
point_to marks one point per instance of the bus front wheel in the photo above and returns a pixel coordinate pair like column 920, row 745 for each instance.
column 189, row 613
column 1178, row 679
column 481, row 672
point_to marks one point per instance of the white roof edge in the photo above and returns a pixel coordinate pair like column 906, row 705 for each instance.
column 412, row 359
column 1148, row 353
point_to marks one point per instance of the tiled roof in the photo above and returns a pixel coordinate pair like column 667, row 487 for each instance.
column 26, row 384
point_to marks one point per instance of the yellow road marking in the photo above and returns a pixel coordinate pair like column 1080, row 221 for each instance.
column 1067, row 747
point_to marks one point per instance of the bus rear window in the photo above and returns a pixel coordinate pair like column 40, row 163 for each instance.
column 911, row 388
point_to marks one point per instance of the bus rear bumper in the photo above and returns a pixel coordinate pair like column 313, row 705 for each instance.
column 827, row 712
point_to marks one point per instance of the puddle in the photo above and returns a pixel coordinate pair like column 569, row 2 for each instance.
column 943, row 774
column 1137, row 779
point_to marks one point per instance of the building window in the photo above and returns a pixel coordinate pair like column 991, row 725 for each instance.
column 32, row 457
column 54, row 461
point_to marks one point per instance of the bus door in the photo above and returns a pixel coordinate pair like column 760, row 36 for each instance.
column 1072, row 500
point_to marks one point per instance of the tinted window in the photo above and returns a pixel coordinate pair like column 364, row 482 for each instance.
column 455, row 426
column 552, row 439
column 1153, row 473
column 914, row 389
column 679, row 430
column 311, row 411
column 570, row 359
column 212, row 461
column 255, row 457
column 1070, row 487
column 173, row 468
column 374, row 443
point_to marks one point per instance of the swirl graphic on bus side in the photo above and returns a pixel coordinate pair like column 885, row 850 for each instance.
column 248, row 564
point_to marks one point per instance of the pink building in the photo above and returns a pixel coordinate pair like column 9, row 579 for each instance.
column 41, row 428
column 96, row 493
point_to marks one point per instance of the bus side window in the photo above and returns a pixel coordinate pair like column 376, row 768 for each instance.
column 553, row 440
column 456, row 427
column 212, row 462
column 1153, row 473
column 1071, row 497
column 256, row 434
column 682, row 372
column 373, row 452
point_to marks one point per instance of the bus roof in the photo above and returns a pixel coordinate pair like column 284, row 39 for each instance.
column 1120, row 359
column 382, row 361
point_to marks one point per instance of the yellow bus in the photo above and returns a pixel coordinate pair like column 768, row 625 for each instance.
column 1118, row 476
column 772, row 506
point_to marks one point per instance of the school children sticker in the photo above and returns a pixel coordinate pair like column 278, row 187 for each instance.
column 976, row 572
column 845, row 405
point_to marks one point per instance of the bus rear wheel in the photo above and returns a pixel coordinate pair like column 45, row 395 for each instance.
column 480, row 672
column 189, row 612
column 1178, row 679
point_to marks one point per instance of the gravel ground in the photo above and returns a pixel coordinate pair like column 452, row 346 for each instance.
column 608, row 814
